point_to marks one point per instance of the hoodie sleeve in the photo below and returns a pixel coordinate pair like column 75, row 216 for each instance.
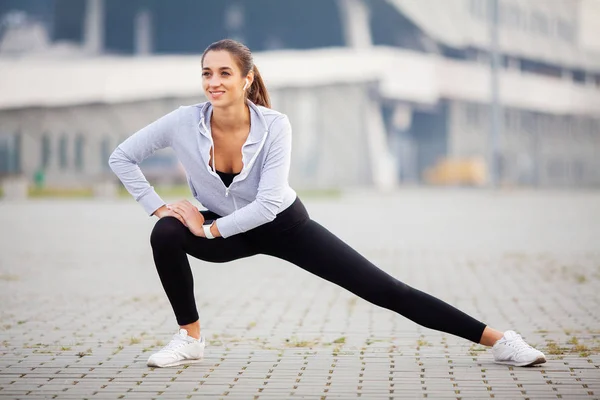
column 125, row 158
column 271, row 188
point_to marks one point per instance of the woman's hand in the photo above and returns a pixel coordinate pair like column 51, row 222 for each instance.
column 192, row 218
column 164, row 211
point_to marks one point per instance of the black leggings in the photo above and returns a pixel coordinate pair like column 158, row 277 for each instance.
column 294, row 237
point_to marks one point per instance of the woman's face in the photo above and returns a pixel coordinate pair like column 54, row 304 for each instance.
column 222, row 79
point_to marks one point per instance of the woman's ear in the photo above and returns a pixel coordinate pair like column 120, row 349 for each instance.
column 249, row 80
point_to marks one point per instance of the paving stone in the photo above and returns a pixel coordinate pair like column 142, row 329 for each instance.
column 87, row 308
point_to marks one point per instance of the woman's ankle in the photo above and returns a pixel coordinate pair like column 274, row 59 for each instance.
column 193, row 329
column 490, row 336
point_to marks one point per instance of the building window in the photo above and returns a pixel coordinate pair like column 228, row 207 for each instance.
column 473, row 115
column 587, row 126
column 79, row 146
column 510, row 15
column 564, row 30
column 62, row 152
column 578, row 170
column 579, row 76
column 105, row 152
column 594, row 134
column 511, row 120
column 555, row 168
column 17, row 145
column 9, row 150
column 474, row 7
column 4, row 156
column 46, row 151
column 528, row 123
column 539, row 23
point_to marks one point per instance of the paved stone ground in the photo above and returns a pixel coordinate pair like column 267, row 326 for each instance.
column 82, row 307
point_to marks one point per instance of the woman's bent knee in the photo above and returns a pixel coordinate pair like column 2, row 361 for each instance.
column 166, row 231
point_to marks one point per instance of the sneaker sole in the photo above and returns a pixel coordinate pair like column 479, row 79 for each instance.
column 539, row 360
column 175, row 364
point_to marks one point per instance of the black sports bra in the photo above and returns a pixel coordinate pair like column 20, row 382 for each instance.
column 227, row 178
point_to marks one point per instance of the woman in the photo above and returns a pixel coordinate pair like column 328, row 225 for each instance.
column 236, row 154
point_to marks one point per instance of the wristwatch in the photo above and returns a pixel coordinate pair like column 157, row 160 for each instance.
column 207, row 231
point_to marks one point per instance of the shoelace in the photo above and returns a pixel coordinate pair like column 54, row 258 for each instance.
column 174, row 344
column 519, row 345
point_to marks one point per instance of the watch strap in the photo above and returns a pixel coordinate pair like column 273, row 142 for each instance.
column 207, row 231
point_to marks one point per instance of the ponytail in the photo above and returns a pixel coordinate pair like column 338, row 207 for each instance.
column 258, row 93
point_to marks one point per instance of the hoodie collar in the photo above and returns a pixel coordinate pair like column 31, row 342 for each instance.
column 258, row 124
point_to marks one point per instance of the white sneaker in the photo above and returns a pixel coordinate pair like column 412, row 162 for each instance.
column 182, row 349
column 512, row 350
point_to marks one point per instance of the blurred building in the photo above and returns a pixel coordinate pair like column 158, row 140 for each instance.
column 403, row 85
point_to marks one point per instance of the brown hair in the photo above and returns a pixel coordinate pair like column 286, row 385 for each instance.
column 257, row 93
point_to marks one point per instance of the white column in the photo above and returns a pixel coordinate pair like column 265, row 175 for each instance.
column 383, row 164
column 143, row 32
column 234, row 21
column 355, row 21
column 94, row 26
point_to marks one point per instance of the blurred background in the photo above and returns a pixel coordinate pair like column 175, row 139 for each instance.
column 380, row 93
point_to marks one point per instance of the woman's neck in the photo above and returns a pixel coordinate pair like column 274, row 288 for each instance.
column 230, row 119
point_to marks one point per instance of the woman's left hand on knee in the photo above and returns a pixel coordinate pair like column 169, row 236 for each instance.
column 192, row 217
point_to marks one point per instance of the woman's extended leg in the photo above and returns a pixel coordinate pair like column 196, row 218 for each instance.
column 315, row 249
column 171, row 242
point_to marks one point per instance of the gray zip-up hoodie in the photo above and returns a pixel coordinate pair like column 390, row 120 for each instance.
column 255, row 196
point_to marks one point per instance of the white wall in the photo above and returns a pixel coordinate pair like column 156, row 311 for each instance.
column 402, row 75
column 589, row 25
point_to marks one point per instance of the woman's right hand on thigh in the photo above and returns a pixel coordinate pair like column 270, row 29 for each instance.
column 164, row 211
